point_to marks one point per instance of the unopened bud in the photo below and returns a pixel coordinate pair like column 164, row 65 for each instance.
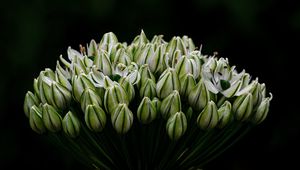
column 170, row 105
column 176, row 125
column 71, row 125
column 146, row 111
column 51, row 118
column 208, row 118
column 95, row 118
column 122, row 118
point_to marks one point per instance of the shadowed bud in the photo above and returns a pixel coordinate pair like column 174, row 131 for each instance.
column 225, row 114
column 146, row 53
column 122, row 118
column 146, row 111
column 30, row 100
column 128, row 87
column 79, row 83
column 71, row 125
column 170, row 105
column 262, row 110
column 121, row 57
column 199, row 96
column 51, row 118
column 103, row 63
column 89, row 97
column 114, row 96
column 92, row 48
column 167, row 82
column 155, row 62
column 176, row 125
column 156, row 103
column 35, row 120
column 208, row 118
column 148, row 89
column 95, row 118
column 175, row 44
column 187, row 84
column 242, row 107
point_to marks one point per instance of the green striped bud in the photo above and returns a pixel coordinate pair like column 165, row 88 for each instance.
column 103, row 63
column 51, row 118
column 225, row 114
column 262, row 110
column 242, row 107
column 167, row 83
column 145, row 75
column 148, row 89
column 146, row 111
column 61, row 96
column 62, row 79
column 156, row 61
column 79, row 83
column 175, row 44
column 122, row 118
column 208, row 118
column 95, row 118
column 199, row 96
column 156, row 103
column 146, row 53
column 170, row 105
column 71, row 125
column 35, row 120
column 30, row 100
column 188, row 42
column 185, row 66
column 128, row 87
column 187, row 84
column 176, row 125
column 89, row 97
column 113, row 96
column 92, row 48
column 121, row 57
column 108, row 41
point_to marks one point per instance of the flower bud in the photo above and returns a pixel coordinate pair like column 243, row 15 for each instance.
column 155, row 61
column 208, row 118
column 145, row 75
column 176, row 125
column 146, row 53
column 89, row 97
column 95, row 118
column 167, row 82
column 170, row 105
column 45, row 89
column 59, row 77
column 61, row 96
column 103, row 63
column 225, row 114
column 92, row 49
column 79, row 83
column 199, row 96
column 188, row 42
column 122, row 57
column 175, row 44
column 141, row 39
column 148, row 89
column 113, row 96
column 156, row 103
column 262, row 110
column 71, row 125
column 187, row 84
column 185, row 66
column 35, row 120
column 51, row 118
column 242, row 107
column 146, row 111
column 108, row 41
column 122, row 118
column 134, row 77
column 30, row 100
column 128, row 87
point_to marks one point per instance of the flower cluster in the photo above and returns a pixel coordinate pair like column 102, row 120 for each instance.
column 139, row 83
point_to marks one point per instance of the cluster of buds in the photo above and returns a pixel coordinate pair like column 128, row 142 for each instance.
column 143, row 82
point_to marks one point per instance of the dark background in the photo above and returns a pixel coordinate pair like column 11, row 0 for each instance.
column 261, row 36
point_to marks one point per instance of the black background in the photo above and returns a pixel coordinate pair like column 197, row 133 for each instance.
column 261, row 36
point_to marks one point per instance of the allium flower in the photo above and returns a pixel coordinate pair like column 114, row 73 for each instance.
column 151, row 104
